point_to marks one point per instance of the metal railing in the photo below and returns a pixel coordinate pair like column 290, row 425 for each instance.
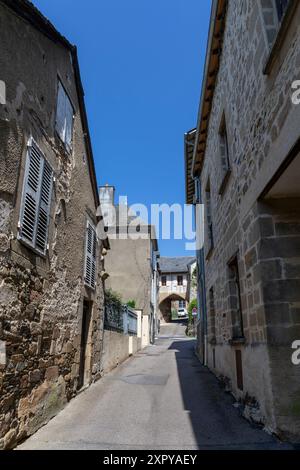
column 130, row 321
column 120, row 318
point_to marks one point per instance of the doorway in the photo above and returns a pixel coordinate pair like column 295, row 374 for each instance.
column 85, row 346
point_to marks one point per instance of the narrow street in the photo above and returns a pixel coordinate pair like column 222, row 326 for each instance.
column 162, row 398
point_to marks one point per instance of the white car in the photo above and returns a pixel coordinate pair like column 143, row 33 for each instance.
column 182, row 313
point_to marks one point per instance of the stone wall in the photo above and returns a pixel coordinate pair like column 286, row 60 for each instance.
column 129, row 268
column 260, row 123
column 41, row 298
column 117, row 347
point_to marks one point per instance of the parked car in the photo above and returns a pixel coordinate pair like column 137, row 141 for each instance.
column 182, row 313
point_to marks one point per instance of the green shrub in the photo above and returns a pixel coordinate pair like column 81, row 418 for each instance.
column 113, row 298
column 193, row 304
column 131, row 303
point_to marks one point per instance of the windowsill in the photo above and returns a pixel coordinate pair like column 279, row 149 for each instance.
column 236, row 341
column 281, row 34
column 225, row 181
column 33, row 249
column 67, row 151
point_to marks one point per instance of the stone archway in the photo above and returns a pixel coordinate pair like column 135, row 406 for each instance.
column 165, row 305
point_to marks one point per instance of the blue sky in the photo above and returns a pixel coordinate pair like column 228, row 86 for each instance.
column 141, row 65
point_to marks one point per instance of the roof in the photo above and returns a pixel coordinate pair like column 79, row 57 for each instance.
column 175, row 265
column 189, row 144
column 30, row 13
column 211, row 69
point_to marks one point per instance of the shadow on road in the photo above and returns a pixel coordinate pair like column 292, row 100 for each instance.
column 216, row 423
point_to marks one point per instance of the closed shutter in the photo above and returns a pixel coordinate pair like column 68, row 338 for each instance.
column 44, row 209
column 90, row 256
column 35, row 207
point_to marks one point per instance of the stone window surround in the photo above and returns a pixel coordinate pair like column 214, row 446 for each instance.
column 280, row 36
column 236, row 310
column 223, row 133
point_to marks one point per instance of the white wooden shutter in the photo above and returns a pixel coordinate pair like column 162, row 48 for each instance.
column 36, row 201
column 90, row 256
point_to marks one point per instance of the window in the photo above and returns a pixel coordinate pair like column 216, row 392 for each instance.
column 181, row 304
column 36, row 200
column 281, row 6
column 273, row 13
column 235, row 299
column 239, row 370
column 224, row 154
column 212, row 315
column 64, row 117
column 180, row 280
column 90, row 256
column 209, row 223
column 164, row 281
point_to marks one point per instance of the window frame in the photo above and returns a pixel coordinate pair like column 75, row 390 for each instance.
column 237, row 321
column 281, row 32
column 180, row 283
column 68, row 148
column 223, row 142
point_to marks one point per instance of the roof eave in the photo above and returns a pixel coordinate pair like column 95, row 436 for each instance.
column 29, row 12
column 211, row 69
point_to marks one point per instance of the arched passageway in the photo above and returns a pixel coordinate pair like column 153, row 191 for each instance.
column 166, row 305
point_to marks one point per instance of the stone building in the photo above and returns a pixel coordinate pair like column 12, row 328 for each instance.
column 132, row 261
column 51, row 290
column 243, row 164
column 173, row 284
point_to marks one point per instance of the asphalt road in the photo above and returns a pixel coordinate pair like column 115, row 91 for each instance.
column 162, row 398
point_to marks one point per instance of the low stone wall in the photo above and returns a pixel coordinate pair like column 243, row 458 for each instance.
column 117, row 347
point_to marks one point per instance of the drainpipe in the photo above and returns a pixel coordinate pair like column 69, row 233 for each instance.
column 202, row 310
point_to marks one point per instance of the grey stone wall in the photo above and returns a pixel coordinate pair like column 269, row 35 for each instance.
column 41, row 299
column 260, row 122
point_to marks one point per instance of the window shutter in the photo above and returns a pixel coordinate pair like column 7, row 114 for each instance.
column 90, row 256
column 44, row 209
column 35, row 207
column 31, row 194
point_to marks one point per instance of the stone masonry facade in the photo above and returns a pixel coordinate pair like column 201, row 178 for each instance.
column 252, row 267
column 51, row 322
